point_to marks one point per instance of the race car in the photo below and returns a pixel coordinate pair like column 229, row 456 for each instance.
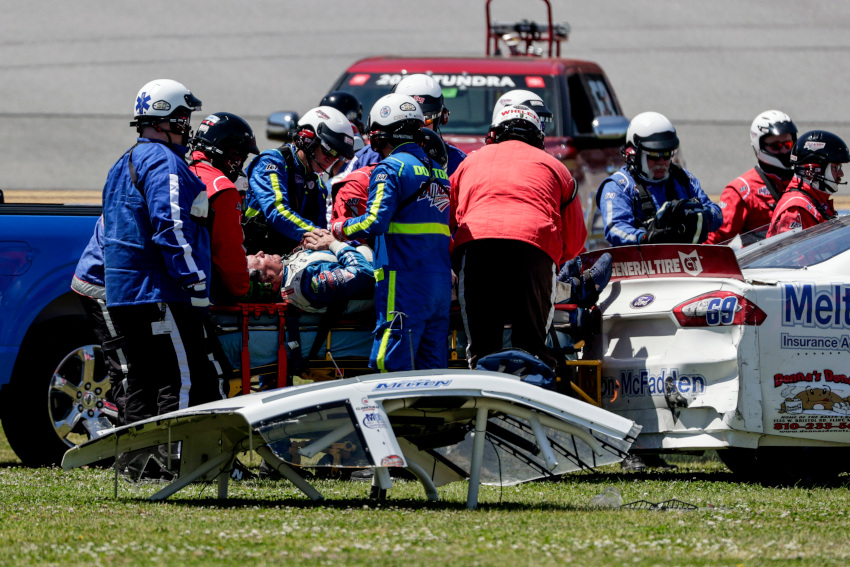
column 747, row 355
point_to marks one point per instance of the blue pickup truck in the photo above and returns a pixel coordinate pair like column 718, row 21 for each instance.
column 47, row 351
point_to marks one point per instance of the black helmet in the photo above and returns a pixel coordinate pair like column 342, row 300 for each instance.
column 813, row 153
column 227, row 140
column 346, row 103
column 435, row 147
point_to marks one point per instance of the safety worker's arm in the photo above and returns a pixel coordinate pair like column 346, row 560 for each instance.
column 268, row 183
column 573, row 229
column 384, row 188
column 176, row 210
column 228, row 255
column 716, row 217
column 617, row 215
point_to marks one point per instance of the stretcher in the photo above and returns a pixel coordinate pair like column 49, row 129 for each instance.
column 314, row 349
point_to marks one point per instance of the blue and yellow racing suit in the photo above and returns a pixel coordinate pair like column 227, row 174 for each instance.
column 285, row 197
column 408, row 212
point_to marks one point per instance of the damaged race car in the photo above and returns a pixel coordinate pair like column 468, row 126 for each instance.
column 747, row 355
column 442, row 426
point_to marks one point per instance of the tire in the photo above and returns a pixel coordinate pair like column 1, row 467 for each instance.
column 787, row 465
column 59, row 392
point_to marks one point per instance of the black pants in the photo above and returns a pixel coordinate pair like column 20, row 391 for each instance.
column 505, row 282
column 112, row 342
column 168, row 367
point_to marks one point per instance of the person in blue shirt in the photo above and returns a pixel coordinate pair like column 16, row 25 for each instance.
column 652, row 200
column 156, row 258
column 286, row 195
column 408, row 213
column 426, row 91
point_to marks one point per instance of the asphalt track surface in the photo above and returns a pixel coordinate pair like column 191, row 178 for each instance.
column 71, row 70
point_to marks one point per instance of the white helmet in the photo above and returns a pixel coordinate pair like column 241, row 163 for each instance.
column 426, row 91
column 649, row 132
column 395, row 118
column 161, row 100
column 772, row 123
column 526, row 98
column 329, row 127
column 517, row 122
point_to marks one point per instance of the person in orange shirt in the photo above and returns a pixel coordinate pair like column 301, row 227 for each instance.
column 507, row 202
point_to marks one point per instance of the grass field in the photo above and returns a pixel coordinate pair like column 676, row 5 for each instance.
column 53, row 517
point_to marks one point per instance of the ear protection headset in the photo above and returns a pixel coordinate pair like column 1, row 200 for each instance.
column 307, row 140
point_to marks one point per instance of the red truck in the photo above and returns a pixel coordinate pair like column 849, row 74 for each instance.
column 588, row 126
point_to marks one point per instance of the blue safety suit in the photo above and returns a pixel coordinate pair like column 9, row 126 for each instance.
column 156, row 247
column 367, row 156
column 156, row 253
column 619, row 203
column 88, row 277
column 288, row 194
column 408, row 212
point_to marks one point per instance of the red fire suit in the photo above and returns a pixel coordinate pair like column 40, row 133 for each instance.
column 801, row 206
column 513, row 224
column 230, row 266
column 747, row 205
column 351, row 193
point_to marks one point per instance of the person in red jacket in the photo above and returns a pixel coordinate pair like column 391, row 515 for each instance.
column 219, row 150
column 748, row 201
column 818, row 158
column 510, row 235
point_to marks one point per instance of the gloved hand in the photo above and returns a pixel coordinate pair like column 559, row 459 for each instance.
column 683, row 221
column 658, row 235
column 694, row 222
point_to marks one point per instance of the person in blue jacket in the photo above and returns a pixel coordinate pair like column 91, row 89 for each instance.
column 156, row 255
column 286, row 196
column 428, row 93
column 88, row 282
column 408, row 213
column 652, row 200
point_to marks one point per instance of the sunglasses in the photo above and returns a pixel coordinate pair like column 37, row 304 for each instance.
column 330, row 151
column 659, row 156
column 779, row 146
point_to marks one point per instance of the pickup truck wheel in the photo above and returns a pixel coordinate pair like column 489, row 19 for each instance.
column 60, row 365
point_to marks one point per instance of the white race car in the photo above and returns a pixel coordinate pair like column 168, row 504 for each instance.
column 749, row 355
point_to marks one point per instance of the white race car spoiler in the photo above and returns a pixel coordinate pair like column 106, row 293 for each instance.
column 434, row 423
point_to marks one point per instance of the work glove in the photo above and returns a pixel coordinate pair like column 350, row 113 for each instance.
column 693, row 219
column 658, row 235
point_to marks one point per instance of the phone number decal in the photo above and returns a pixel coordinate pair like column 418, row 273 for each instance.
column 811, row 426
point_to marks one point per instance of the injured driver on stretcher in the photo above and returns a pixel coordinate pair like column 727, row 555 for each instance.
column 323, row 281
column 321, row 272
column 327, row 280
